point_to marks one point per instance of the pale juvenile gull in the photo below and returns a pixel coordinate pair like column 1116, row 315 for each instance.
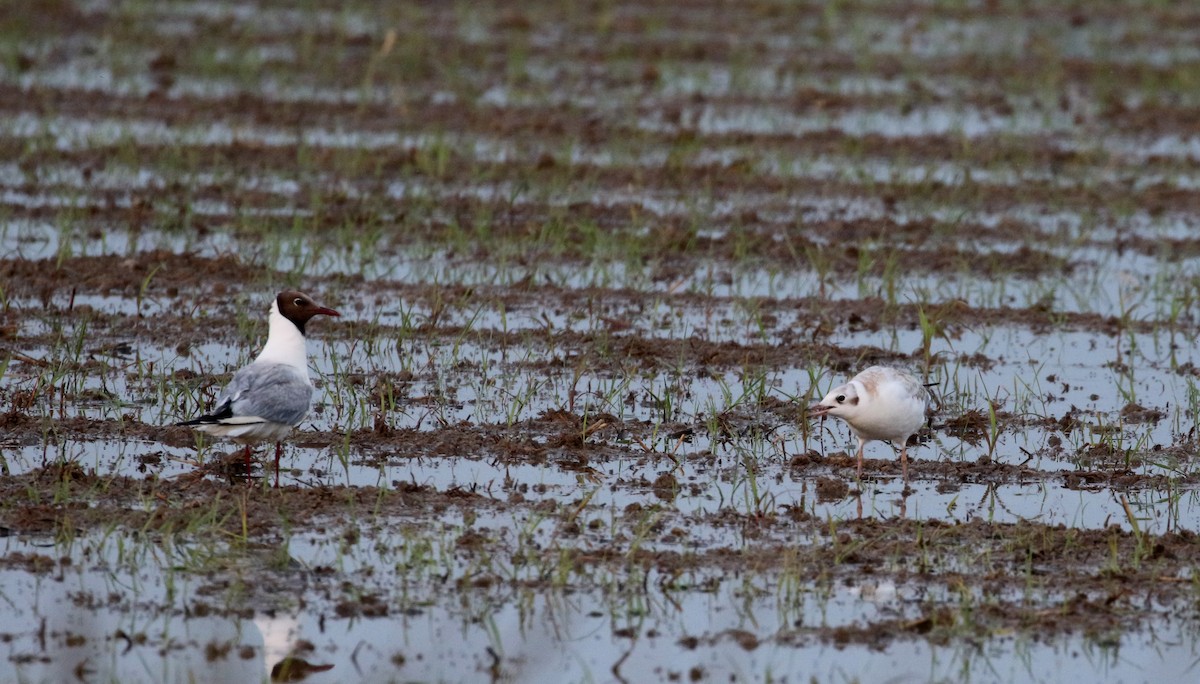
column 879, row 403
column 268, row 398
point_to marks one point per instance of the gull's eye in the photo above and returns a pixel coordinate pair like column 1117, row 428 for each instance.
column 840, row 398
column 298, row 302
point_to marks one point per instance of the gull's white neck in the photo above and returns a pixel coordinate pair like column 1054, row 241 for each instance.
column 285, row 344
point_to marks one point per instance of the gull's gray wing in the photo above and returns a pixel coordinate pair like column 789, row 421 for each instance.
column 272, row 392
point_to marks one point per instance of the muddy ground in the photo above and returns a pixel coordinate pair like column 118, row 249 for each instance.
column 593, row 262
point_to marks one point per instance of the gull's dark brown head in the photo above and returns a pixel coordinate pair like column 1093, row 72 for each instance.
column 298, row 308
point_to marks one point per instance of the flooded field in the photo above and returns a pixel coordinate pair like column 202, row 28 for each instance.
column 594, row 261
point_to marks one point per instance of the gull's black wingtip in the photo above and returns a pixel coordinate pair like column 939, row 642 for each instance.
column 226, row 412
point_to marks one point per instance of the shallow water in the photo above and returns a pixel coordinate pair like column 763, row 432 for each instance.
column 743, row 627
column 593, row 265
column 1054, row 374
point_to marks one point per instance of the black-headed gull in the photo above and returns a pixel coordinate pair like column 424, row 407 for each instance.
column 268, row 398
column 879, row 403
